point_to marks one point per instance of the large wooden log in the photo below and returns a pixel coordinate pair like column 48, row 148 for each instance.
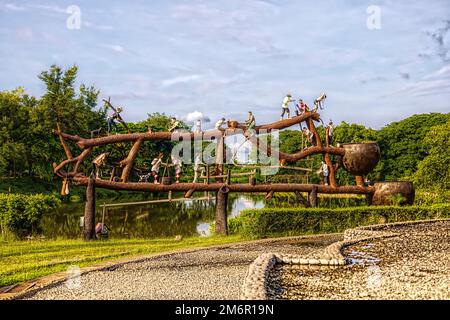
column 127, row 163
column 207, row 135
column 89, row 210
column 221, row 226
column 244, row 187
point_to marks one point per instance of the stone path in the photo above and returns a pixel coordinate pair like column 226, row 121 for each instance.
column 413, row 265
column 215, row 273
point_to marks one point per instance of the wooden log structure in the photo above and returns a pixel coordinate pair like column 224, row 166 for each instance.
column 221, row 184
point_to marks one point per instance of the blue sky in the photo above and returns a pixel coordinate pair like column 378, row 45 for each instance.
column 225, row 57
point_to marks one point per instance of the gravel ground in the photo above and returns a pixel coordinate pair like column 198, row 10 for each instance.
column 414, row 265
column 216, row 273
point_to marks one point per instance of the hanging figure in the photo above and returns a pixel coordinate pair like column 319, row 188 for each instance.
column 285, row 106
column 177, row 163
column 99, row 162
column 112, row 120
column 318, row 102
column 250, row 123
column 156, row 163
column 115, row 116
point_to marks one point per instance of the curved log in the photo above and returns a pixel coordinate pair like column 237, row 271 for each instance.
column 207, row 135
column 184, row 187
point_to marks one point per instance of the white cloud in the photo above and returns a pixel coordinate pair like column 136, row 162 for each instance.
column 193, row 116
column 181, row 79
column 12, row 7
column 115, row 47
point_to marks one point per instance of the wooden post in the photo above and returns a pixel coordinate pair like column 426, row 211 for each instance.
column 221, row 212
column 359, row 181
column 89, row 210
column 312, row 197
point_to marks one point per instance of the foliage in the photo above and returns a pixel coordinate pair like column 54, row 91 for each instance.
column 21, row 214
column 433, row 172
column 294, row 221
column 402, row 145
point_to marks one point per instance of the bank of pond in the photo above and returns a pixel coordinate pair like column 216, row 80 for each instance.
column 252, row 216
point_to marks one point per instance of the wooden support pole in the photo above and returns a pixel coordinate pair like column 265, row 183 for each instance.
column 127, row 163
column 312, row 198
column 359, row 181
column 221, row 212
column 269, row 195
column 189, row 193
column 89, row 210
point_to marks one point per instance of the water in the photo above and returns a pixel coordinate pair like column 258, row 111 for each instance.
column 187, row 218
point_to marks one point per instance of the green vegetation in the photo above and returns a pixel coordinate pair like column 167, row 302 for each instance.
column 434, row 171
column 21, row 214
column 268, row 222
column 24, row 260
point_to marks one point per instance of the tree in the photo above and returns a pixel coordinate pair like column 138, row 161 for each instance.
column 433, row 172
column 75, row 112
column 14, row 129
column 402, row 144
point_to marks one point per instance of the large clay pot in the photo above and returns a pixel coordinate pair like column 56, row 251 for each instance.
column 360, row 158
column 386, row 193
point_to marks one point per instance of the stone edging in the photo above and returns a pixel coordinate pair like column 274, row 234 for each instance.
column 255, row 283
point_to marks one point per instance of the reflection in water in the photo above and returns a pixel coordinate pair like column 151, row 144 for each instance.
column 187, row 218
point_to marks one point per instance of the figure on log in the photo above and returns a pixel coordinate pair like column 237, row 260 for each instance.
column 156, row 163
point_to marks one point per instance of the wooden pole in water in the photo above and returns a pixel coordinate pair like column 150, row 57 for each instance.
column 221, row 212
column 89, row 210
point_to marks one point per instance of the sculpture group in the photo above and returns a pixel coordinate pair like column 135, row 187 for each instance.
column 357, row 158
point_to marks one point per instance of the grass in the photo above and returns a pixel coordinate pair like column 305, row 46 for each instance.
column 25, row 260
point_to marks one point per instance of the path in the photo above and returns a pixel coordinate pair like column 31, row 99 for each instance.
column 213, row 273
column 413, row 265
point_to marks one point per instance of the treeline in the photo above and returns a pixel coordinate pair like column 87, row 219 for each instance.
column 416, row 148
column 27, row 145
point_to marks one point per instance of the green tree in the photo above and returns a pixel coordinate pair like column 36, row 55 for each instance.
column 433, row 171
column 14, row 130
column 402, row 144
column 75, row 112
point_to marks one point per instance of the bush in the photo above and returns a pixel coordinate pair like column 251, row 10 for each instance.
column 21, row 214
column 294, row 221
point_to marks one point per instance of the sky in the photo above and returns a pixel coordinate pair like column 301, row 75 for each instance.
column 377, row 61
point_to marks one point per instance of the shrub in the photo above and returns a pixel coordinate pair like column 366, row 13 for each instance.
column 294, row 221
column 21, row 214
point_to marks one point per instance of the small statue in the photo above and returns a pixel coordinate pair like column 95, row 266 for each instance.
column 198, row 166
column 99, row 162
column 173, row 124
column 156, row 163
column 285, row 106
column 198, row 126
column 319, row 100
column 177, row 163
column 324, row 171
column 301, row 107
column 220, row 123
column 330, row 128
column 250, row 123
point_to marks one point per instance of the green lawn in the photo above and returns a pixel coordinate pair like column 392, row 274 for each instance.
column 25, row 260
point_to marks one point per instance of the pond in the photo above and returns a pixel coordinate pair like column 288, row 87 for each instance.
column 186, row 217
column 151, row 220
